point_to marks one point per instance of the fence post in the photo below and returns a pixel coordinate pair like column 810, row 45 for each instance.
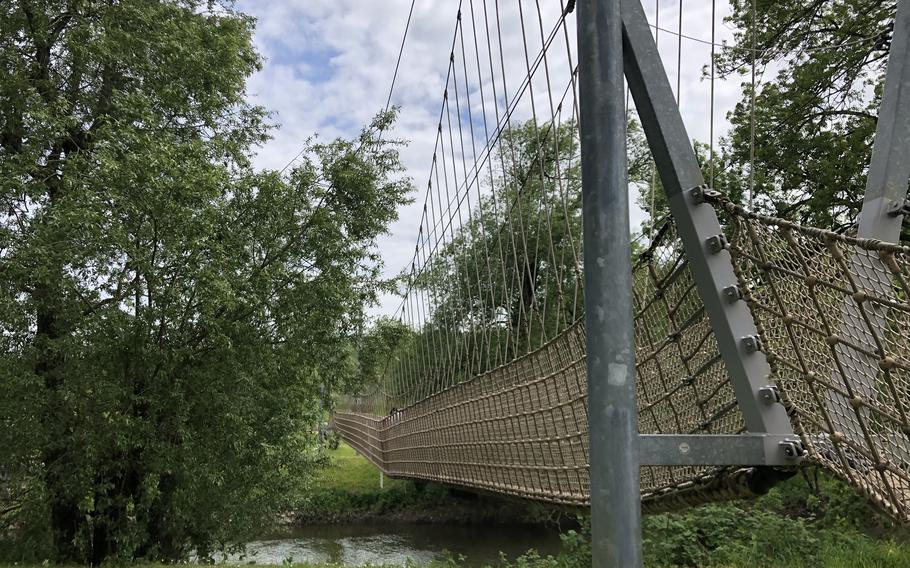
column 612, row 411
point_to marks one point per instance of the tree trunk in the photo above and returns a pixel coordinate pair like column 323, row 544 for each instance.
column 64, row 509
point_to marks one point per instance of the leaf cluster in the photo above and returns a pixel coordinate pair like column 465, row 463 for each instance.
column 171, row 319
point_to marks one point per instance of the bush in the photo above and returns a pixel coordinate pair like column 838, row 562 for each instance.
column 819, row 524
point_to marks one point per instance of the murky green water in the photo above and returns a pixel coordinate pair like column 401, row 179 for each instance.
column 362, row 544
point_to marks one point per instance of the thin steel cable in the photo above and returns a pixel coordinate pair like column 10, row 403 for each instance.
column 752, row 111
column 439, row 234
column 758, row 52
column 404, row 38
column 505, row 125
column 711, row 112
column 532, row 272
column 679, row 38
column 499, row 358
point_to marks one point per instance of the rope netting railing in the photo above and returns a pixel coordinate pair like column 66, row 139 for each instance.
column 485, row 384
column 833, row 315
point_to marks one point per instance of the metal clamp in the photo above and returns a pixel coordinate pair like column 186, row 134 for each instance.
column 698, row 194
column 716, row 243
column 769, row 394
column 752, row 343
column 793, row 450
column 701, row 193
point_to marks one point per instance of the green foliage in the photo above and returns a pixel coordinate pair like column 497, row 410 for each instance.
column 816, row 116
column 826, row 502
column 728, row 536
column 820, row 67
column 382, row 345
column 821, row 524
column 723, row 535
column 169, row 317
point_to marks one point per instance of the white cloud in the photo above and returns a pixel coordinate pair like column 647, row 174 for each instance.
column 329, row 63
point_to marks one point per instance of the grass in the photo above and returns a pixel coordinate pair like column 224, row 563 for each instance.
column 349, row 471
column 347, row 489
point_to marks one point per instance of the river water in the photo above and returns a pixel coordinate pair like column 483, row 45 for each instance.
column 390, row 543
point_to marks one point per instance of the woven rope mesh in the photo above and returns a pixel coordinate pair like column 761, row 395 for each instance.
column 521, row 428
column 833, row 316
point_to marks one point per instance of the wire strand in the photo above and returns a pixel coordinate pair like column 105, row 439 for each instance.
column 404, row 38
column 752, row 113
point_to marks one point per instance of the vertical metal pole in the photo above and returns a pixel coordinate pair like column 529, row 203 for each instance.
column 886, row 186
column 612, row 411
column 881, row 218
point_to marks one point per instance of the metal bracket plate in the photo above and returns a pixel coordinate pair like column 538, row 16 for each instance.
column 719, row 449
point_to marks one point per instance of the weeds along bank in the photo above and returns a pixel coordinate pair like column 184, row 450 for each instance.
column 810, row 520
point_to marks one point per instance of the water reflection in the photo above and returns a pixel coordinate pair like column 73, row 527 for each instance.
column 388, row 543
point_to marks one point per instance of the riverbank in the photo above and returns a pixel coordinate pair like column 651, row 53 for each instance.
column 811, row 521
column 347, row 490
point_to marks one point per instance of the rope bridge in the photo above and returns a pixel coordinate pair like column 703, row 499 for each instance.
column 521, row 428
column 485, row 384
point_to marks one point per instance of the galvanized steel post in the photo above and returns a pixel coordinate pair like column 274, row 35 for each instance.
column 884, row 204
column 884, row 208
column 612, row 411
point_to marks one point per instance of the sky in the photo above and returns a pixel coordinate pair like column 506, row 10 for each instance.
column 328, row 67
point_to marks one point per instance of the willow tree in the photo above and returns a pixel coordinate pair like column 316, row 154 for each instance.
column 168, row 315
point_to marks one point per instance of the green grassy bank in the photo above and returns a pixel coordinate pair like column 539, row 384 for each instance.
column 810, row 521
column 347, row 489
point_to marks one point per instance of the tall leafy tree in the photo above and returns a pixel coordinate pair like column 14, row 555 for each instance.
column 822, row 65
column 169, row 316
column 821, row 69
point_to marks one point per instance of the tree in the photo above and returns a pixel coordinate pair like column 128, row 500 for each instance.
column 380, row 349
column 169, row 316
column 815, row 118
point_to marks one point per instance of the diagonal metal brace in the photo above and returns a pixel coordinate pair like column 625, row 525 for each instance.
column 698, row 226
